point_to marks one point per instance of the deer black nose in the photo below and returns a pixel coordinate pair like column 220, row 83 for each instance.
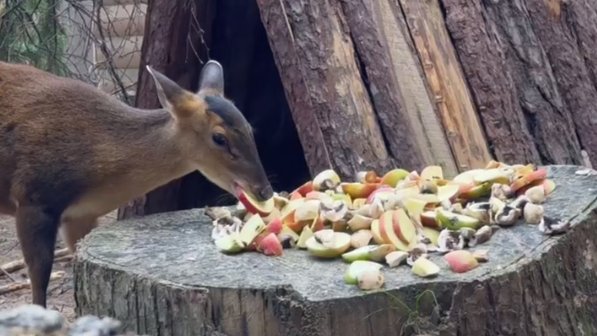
column 266, row 192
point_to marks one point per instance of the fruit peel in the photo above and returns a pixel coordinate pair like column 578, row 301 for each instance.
column 461, row 261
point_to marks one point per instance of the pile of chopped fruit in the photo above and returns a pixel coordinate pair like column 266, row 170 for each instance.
column 398, row 218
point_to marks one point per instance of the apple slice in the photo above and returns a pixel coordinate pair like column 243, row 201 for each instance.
column 327, row 179
column 404, row 227
column 495, row 175
column 454, row 221
column 358, row 190
column 358, row 202
column 432, row 234
column 382, row 194
column 304, row 189
column 341, row 243
column 287, row 234
column 255, row 207
column 305, row 235
column 275, row 226
column 448, row 192
column 388, row 228
column 461, row 261
column 414, row 207
column 375, row 232
column 372, row 177
column 229, row 244
column 369, row 252
column 467, row 177
column 270, row 245
column 475, row 192
column 432, row 173
column 429, row 219
column 395, row 258
column 357, row 268
column 425, row 268
column 251, row 229
column 394, row 176
column 539, row 174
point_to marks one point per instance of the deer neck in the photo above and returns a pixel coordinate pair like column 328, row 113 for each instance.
column 153, row 151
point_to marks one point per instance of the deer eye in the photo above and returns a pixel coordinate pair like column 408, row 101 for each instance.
column 219, row 139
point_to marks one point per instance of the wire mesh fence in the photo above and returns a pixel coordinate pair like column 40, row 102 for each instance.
column 96, row 41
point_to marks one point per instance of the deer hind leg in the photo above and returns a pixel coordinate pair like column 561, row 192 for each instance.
column 37, row 227
column 73, row 230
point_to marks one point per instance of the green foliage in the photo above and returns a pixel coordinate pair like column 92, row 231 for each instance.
column 30, row 32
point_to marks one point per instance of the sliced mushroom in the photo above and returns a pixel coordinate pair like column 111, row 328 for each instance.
column 482, row 235
column 419, row 251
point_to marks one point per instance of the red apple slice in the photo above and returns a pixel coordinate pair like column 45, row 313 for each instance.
column 428, row 219
column 539, row 174
column 255, row 207
column 387, row 231
column 304, row 189
column 405, row 229
column 382, row 194
column 394, row 176
column 275, row 226
column 270, row 245
column 461, row 261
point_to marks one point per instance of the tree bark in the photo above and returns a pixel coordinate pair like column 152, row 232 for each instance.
column 556, row 30
column 175, row 43
column 513, row 81
column 447, row 83
column 337, row 68
column 180, row 284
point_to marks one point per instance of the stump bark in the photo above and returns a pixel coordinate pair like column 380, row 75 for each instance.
column 162, row 275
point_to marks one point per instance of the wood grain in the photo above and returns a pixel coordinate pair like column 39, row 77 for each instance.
column 448, row 86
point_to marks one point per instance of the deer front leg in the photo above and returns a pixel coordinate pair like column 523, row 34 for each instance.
column 72, row 230
column 37, row 227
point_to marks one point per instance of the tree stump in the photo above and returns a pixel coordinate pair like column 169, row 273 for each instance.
column 162, row 275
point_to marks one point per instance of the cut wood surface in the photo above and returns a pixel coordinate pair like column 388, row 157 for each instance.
column 448, row 85
column 162, row 275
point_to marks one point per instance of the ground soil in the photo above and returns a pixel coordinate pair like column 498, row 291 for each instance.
column 60, row 292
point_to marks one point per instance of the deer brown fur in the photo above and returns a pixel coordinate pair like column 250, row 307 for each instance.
column 70, row 153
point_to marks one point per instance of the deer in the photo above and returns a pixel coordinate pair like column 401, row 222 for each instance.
column 71, row 153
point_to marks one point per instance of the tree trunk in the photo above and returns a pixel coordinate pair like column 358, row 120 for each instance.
column 341, row 72
column 180, row 284
column 511, row 75
column 447, row 83
column 175, row 43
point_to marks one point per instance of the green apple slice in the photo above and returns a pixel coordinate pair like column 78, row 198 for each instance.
column 341, row 243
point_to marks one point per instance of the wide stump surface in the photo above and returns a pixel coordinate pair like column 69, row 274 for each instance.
column 162, row 275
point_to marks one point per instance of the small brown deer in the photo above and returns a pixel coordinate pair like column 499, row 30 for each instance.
column 70, row 153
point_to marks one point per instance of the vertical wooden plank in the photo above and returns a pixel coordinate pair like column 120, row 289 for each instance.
column 446, row 81
column 394, row 103
column 313, row 47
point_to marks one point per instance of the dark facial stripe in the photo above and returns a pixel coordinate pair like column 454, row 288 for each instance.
column 225, row 110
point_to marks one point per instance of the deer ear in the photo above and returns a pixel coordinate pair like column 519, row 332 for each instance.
column 180, row 102
column 212, row 78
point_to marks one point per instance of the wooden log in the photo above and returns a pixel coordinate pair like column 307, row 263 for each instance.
column 396, row 85
column 447, row 83
column 326, row 65
column 174, row 45
column 162, row 275
column 512, row 81
column 571, row 68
